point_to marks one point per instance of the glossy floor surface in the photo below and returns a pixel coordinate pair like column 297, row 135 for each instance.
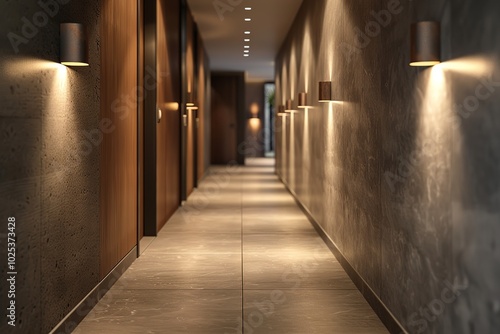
column 238, row 257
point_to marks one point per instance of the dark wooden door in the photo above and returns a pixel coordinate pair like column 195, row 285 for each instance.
column 224, row 127
column 118, row 158
column 161, row 96
column 168, row 95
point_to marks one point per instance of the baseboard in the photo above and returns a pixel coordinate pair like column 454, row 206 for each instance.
column 71, row 321
column 385, row 315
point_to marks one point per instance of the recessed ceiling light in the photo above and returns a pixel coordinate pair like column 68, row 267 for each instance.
column 246, row 51
column 248, row 8
column 246, row 47
column 246, row 55
column 247, row 39
column 248, row 19
column 247, row 32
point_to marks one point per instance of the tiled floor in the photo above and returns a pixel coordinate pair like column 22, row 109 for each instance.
column 240, row 253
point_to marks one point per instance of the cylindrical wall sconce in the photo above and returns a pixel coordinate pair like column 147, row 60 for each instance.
column 425, row 49
column 288, row 106
column 189, row 99
column 303, row 101
column 325, row 91
column 281, row 110
column 73, row 45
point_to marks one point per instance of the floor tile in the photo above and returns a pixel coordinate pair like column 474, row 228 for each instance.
column 209, row 211
column 283, row 243
column 270, row 225
column 309, row 311
column 145, row 242
column 294, row 271
column 203, row 224
column 240, row 232
column 183, row 271
column 164, row 311
column 284, row 212
column 196, row 243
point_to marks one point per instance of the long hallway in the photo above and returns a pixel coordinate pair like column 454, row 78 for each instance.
column 240, row 248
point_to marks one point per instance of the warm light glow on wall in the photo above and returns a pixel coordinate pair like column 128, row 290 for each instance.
column 474, row 66
column 254, row 124
column 254, row 109
column 305, row 145
column 28, row 66
column 307, row 58
column 292, row 70
column 174, row 106
column 283, row 82
column 436, row 117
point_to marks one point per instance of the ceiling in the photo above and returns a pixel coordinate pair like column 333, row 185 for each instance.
column 222, row 25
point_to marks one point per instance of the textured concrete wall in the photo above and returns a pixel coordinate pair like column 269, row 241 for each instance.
column 403, row 174
column 49, row 177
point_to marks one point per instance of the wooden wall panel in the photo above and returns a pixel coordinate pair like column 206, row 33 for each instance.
column 118, row 164
column 168, row 93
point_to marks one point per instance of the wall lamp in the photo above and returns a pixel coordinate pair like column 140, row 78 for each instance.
column 325, row 91
column 281, row 110
column 425, row 49
column 288, row 106
column 73, row 45
column 189, row 101
column 303, row 101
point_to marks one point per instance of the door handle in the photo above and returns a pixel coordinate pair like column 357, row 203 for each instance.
column 158, row 115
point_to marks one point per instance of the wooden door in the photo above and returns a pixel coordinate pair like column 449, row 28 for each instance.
column 118, row 160
column 168, row 96
column 224, row 125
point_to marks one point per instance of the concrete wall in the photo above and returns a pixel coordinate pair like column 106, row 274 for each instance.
column 49, row 179
column 403, row 173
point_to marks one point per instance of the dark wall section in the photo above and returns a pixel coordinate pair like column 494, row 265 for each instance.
column 49, row 162
column 227, row 118
column 402, row 174
column 254, row 113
